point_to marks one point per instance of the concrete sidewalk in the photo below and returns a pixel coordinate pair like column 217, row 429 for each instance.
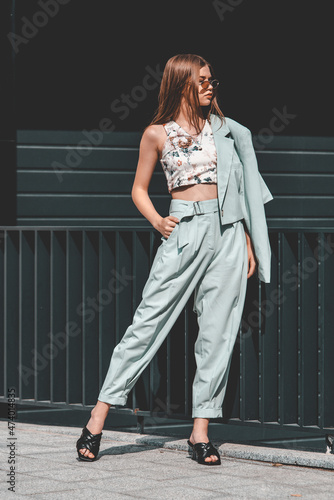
column 144, row 466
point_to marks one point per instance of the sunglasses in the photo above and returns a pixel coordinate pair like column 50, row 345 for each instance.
column 206, row 83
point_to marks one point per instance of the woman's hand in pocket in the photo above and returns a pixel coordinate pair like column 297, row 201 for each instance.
column 167, row 225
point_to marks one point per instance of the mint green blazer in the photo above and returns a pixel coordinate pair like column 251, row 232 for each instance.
column 242, row 192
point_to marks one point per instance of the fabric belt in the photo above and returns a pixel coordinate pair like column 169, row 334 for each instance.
column 184, row 208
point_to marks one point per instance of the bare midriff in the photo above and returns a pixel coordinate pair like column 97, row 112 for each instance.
column 196, row 192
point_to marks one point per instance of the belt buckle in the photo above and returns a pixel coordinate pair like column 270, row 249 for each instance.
column 195, row 209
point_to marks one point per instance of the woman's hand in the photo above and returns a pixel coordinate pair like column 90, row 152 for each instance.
column 251, row 257
column 166, row 225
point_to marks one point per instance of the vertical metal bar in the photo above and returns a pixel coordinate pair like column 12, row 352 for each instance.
column 279, row 322
column 117, row 305
column 51, row 323
column 242, row 389
column 83, row 239
column 321, row 357
column 35, row 318
column 2, row 308
column 5, row 322
column 261, row 359
column 67, row 295
column 300, row 385
column 20, row 314
column 100, row 287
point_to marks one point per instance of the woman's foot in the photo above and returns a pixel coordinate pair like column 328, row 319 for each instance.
column 96, row 422
column 200, row 435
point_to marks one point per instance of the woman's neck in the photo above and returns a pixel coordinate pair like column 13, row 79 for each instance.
column 183, row 121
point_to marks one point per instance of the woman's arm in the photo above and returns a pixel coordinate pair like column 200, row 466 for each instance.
column 148, row 157
column 151, row 141
column 250, row 251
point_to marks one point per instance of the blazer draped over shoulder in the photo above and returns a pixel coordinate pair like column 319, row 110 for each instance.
column 242, row 192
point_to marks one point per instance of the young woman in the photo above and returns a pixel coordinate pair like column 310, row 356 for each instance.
column 204, row 249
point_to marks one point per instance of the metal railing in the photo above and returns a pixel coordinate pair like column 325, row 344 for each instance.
column 69, row 294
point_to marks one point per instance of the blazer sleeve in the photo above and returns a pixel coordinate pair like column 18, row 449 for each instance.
column 266, row 194
column 256, row 194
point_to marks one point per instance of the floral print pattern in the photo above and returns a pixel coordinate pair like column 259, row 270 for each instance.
column 188, row 160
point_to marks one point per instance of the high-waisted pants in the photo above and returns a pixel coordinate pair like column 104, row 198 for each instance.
column 203, row 256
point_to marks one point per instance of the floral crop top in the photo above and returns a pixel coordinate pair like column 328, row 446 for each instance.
column 188, row 160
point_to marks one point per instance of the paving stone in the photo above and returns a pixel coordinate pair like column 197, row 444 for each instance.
column 139, row 466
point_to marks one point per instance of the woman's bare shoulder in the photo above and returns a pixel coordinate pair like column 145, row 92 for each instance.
column 154, row 135
column 153, row 132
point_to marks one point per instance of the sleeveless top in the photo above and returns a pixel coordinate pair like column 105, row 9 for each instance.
column 188, row 160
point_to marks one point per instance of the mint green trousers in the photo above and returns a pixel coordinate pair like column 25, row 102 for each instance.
column 205, row 257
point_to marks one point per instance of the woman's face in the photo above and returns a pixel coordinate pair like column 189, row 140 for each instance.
column 205, row 95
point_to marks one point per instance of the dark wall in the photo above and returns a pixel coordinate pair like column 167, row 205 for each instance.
column 76, row 64
column 7, row 120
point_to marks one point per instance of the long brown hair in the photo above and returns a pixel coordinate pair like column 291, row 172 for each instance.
column 180, row 78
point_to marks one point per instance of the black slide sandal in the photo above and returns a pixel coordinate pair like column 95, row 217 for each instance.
column 200, row 451
column 89, row 441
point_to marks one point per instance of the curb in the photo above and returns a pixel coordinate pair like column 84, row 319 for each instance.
column 249, row 452
column 276, row 456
